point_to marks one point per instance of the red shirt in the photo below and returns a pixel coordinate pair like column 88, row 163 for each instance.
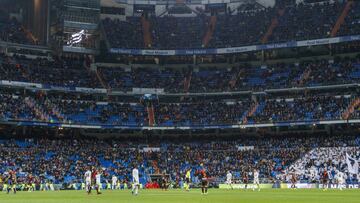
column 30, row 179
column 203, row 174
column 326, row 174
column 93, row 175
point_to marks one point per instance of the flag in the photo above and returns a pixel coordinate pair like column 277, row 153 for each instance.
column 353, row 165
column 76, row 38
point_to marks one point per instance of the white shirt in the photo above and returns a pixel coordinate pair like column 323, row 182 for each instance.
column 98, row 177
column 256, row 175
column 114, row 179
column 135, row 175
column 340, row 176
column 88, row 176
column 228, row 177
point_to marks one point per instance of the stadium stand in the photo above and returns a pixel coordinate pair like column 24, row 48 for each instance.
column 131, row 34
column 302, row 22
column 291, row 22
column 304, row 109
column 352, row 20
column 198, row 112
column 63, row 161
column 63, row 72
column 12, row 28
column 72, row 72
column 332, row 159
column 59, row 111
column 12, row 31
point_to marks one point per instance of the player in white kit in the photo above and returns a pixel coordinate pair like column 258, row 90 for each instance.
column 87, row 177
column 114, row 180
column 229, row 179
column 135, row 181
column 98, row 182
column 340, row 177
column 256, row 179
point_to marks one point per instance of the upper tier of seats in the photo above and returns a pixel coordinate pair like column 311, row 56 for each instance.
column 296, row 22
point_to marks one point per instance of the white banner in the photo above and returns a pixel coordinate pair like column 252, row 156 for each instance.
column 245, row 148
column 150, row 149
column 148, row 91
column 353, row 164
column 20, row 84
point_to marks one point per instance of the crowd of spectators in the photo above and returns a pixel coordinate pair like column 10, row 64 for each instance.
column 352, row 21
column 172, row 80
column 65, row 161
column 91, row 112
column 125, row 34
column 201, row 113
column 244, row 28
column 64, row 72
column 237, row 78
column 13, row 107
column 332, row 159
column 295, row 22
column 72, row 72
column 301, row 21
column 190, row 112
column 178, row 33
column 320, row 107
column 307, row 21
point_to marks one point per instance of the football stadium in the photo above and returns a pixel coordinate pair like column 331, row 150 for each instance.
column 179, row 101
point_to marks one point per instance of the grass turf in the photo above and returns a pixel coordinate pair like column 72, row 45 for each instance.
column 179, row 196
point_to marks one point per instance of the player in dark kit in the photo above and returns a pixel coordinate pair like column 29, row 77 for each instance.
column 1, row 183
column 164, row 182
column 245, row 179
column 11, row 182
column 30, row 182
column 293, row 180
column 204, row 177
column 325, row 179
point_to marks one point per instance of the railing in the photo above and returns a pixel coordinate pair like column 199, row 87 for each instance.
column 44, row 49
column 233, row 50
column 141, row 91
column 179, row 127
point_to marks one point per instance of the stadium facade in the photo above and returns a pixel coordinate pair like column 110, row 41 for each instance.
column 177, row 75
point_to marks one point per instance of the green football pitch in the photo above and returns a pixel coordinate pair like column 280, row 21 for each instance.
column 179, row 196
